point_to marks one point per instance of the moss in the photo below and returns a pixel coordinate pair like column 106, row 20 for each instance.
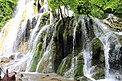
column 120, row 39
column 98, row 53
column 37, row 55
column 43, row 66
column 98, row 59
column 117, row 23
column 35, row 9
column 46, row 62
column 59, row 55
column 100, row 74
column 63, row 41
column 102, row 58
column 78, row 39
column 83, row 78
column 64, row 66
column 79, row 69
column 69, row 28
column 45, row 19
column 79, row 64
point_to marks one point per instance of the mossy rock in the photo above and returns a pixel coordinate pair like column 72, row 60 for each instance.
column 37, row 55
column 64, row 66
column 83, row 78
column 115, row 23
column 45, row 19
column 69, row 27
column 98, row 51
column 120, row 38
column 45, row 64
column 63, row 40
column 99, row 74
column 35, row 9
column 79, row 64
column 47, row 60
column 98, row 59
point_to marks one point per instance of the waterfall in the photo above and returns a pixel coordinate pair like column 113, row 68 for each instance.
column 10, row 30
column 34, row 32
column 31, row 52
column 71, row 71
column 87, row 49
column 103, row 35
column 13, row 33
column 35, row 41
column 111, row 43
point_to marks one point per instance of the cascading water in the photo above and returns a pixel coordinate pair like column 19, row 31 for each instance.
column 51, row 43
column 87, row 49
column 14, row 31
column 71, row 71
column 34, row 46
column 111, row 43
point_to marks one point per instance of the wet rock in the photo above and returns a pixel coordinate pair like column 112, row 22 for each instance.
column 23, row 47
column 98, row 52
column 64, row 66
column 34, row 22
column 83, row 78
column 55, row 79
column 40, row 77
column 4, row 60
column 19, row 56
column 120, row 39
column 115, row 58
column 115, row 23
column 15, row 56
column 44, row 19
column 12, row 57
column 98, row 59
column 37, row 55
column 99, row 72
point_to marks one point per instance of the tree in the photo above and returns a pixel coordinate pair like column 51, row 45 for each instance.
column 6, row 9
column 97, row 8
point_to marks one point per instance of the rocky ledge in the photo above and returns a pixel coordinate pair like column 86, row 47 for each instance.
column 113, row 22
column 33, row 76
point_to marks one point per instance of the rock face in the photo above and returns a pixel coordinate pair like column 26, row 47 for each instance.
column 73, row 47
column 113, row 22
column 61, row 45
column 98, row 59
column 40, row 77
column 66, row 48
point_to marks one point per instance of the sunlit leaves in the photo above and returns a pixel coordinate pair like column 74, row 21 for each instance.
column 97, row 12
column 6, row 9
column 97, row 8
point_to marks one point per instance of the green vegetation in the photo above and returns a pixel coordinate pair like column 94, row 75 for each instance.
column 97, row 8
column 6, row 9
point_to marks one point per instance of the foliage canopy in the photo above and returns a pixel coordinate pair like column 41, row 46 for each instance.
column 6, row 9
column 97, row 8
